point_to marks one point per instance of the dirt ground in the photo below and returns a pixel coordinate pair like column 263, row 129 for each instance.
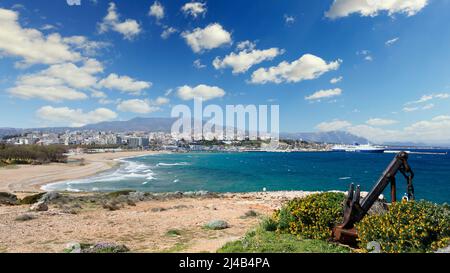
column 142, row 228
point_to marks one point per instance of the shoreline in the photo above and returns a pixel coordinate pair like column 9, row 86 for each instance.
column 31, row 179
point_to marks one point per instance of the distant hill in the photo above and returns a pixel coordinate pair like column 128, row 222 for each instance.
column 136, row 124
column 9, row 131
column 326, row 137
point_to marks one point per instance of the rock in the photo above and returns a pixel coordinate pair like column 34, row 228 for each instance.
column 73, row 248
column 112, row 206
column 106, row 248
column 444, row 250
column 251, row 213
column 373, row 247
column 70, row 210
column 25, row 217
column 8, row 199
column 158, row 209
column 136, row 196
column 378, row 208
column 217, row 225
column 39, row 206
column 202, row 193
column 50, row 196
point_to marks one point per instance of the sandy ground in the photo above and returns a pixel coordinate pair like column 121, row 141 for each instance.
column 141, row 227
column 20, row 179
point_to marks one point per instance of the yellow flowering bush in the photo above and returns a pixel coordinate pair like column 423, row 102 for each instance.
column 312, row 217
column 407, row 227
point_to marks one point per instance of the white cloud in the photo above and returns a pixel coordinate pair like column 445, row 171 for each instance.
column 47, row 27
column 68, row 73
column 435, row 131
column 381, row 122
column 161, row 101
column 244, row 60
column 289, row 19
column 365, row 54
column 335, row 125
column 201, row 91
column 156, row 10
column 30, row 44
column 57, row 82
column 198, row 64
column 336, row 80
column 417, row 108
column 128, row 28
column 73, row 2
column 420, row 103
column 89, row 48
column 307, row 67
column 167, row 32
column 74, row 117
column 55, row 93
column 324, row 94
column 392, row 41
column 210, row 37
column 426, row 98
column 136, row 106
column 343, row 8
column 246, row 45
column 194, row 9
column 124, row 84
column 98, row 94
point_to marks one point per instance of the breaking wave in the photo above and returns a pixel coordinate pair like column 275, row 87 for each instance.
column 172, row 164
column 130, row 171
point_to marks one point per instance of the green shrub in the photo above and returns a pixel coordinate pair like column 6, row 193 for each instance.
column 173, row 232
column 251, row 213
column 312, row 217
column 269, row 224
column 31, row 199
column 116, row 194
column 260, row 241
column 407, row 227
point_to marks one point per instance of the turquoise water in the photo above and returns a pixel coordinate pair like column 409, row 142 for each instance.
column 246, row 172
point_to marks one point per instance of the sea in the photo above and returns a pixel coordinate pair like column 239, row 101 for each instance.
column 259, row 171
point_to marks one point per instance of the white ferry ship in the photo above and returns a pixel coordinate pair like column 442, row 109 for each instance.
column 357, row 148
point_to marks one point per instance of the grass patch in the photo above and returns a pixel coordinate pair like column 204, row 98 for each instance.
column 177, row 248
column 120, row 193
column 173, row 233
column 261, row 241
column 250, row 214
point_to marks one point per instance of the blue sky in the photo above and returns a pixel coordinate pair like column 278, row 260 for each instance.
column 393, row 61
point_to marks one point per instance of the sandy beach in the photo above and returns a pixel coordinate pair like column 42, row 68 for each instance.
column 27, row 179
